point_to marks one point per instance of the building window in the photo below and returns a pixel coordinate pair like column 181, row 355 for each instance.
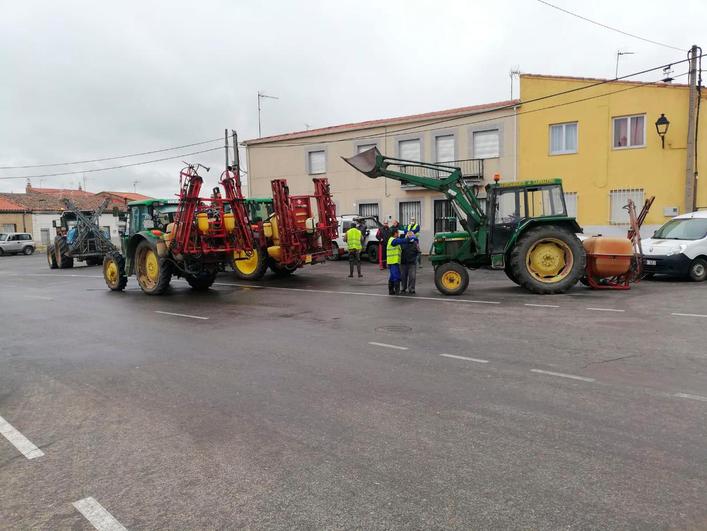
column 444, row 148
column 410, row 149
column 630, row 131
column 44, row 235
column 408, row 210
column 9, row 227
column 563, row 138
column 445, row 216
column 487, row 144
column 368, row 209
column 618, row 199
column 571, row 204
column 316, row 162
column 365, row 147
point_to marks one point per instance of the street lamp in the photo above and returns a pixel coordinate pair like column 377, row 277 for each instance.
column 661, row 126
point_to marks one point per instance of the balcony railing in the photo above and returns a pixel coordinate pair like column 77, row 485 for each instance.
column 472, row 172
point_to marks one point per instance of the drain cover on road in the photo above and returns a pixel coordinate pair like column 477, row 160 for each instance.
column 394, row 328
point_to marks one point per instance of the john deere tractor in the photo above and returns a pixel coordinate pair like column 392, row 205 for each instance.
column 525, row 230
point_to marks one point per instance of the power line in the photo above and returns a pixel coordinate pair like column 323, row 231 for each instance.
column 477, row 113
column 109, row 158
column 610, row 27
column 112, row 167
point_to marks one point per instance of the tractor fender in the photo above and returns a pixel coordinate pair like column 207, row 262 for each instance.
column 568, row 223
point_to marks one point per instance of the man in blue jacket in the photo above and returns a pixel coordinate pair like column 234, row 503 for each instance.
column 393, row 255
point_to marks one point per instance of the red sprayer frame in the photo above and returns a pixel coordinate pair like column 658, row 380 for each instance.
column 300, row 243
column 188, row 239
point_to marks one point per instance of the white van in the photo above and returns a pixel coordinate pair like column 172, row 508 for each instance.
column 678, row 248
column 369, row 242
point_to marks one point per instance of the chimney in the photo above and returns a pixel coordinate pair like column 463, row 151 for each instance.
column 28, row 188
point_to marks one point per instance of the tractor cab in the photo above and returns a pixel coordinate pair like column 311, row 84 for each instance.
column 514, row 205
column 150, row 214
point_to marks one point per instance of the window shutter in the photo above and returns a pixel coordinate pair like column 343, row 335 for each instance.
column 486, row 144
column 444, row 148
column 317, row 162
column 410, row 149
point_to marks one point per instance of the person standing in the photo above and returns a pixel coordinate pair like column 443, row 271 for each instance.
column 393, row 252
column 408, row 263
column 353, row 242
column 414, row 227
column 382, row 235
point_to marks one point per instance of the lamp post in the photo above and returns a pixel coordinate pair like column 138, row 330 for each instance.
column 661, row 127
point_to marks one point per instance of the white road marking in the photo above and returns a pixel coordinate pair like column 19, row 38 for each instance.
column 39, row 297
column 563, row 375
column 386, row 345
column 542, row 305
column 691, row 397
column 97, row 515
column 182, row 315
column 688, row 314
column 19, row 441
column 605, row 310
column 463, row 358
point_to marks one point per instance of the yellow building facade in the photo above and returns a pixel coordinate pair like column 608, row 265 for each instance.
column 602, row 141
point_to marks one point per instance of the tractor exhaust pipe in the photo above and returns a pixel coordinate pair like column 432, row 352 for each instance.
column 366, row 162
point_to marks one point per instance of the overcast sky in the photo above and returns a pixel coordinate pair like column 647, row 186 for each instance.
column 87, row 79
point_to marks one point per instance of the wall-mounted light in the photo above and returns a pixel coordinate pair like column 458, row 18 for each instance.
column 661, row 126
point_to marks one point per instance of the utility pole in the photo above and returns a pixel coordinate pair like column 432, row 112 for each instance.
column 262, row 95
column 618, row 55
column 513, row 73
column 690, row 170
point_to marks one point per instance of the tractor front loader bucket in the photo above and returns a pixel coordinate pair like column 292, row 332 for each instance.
column 366, row 162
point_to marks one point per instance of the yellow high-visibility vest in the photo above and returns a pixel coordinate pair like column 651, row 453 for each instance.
column 413, row 227
column 353, row 239
column 392, row 252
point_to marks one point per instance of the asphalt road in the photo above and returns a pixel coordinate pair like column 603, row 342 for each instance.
column 319, row 401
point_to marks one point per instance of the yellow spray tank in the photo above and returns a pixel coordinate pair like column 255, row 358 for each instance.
column 229, row 222
column 202, row 222
column 274, row 251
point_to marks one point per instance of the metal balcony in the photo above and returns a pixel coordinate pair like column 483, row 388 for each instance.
column 472, row 172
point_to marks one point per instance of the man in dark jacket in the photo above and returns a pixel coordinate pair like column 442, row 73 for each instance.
column 408, row 263
column 382, row 235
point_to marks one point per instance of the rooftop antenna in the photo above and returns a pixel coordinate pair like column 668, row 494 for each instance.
column 307, row 126
column 262, row 95
column 619, row 53
column 515, row 72
column 135, row 186
column 667, row 78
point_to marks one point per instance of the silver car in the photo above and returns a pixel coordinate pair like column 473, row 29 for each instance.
column 16, row 242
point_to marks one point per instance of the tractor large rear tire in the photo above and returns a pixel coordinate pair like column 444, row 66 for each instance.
column 509, row 272
column 548, row 259
column 153, row 273
column 252, row 268
column 114, row 271
column 61, row 251
column 51, row 259
column 451, row 278
column 202, row 281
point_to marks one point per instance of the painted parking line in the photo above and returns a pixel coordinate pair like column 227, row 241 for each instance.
column 386, row 345
column 182, row 315
column 691, row 397
column 563, row 375
column 605, row 310
column 542, row 305
column 97, row 515
column 19, row 441
column 454, row 356
column 688, row 314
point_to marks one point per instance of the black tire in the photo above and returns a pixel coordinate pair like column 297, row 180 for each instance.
column 572, row 266
column 372, row 253
column 61, row 250
column 202, row 281
column 451, row 278
column 698, row 270
column 28, row 250
column 51, row 259
column 153, row 273
column 334, row 254
column 115, row 278
column 509, row 273
column 281, row 271
column 253, row 268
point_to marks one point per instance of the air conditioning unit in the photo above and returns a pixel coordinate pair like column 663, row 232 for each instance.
column 670, row 212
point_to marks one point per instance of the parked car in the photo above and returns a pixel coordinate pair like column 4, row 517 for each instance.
column 369, row 243
column 16, row 242
column 678, row 248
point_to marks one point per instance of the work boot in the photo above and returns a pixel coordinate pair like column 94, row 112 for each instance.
column 396, row 287
column 391, row 287
column 351, row 275
column 360, row 275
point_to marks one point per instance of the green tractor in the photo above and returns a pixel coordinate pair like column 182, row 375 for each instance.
column 525, row 229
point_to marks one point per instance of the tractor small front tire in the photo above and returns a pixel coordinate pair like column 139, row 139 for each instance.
column 698, row 270
column 153, row 273
column 451, row 278
column 114, row 271
column 51, row 259
column 548, row 260
column 202, row 281
column 253, row 267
